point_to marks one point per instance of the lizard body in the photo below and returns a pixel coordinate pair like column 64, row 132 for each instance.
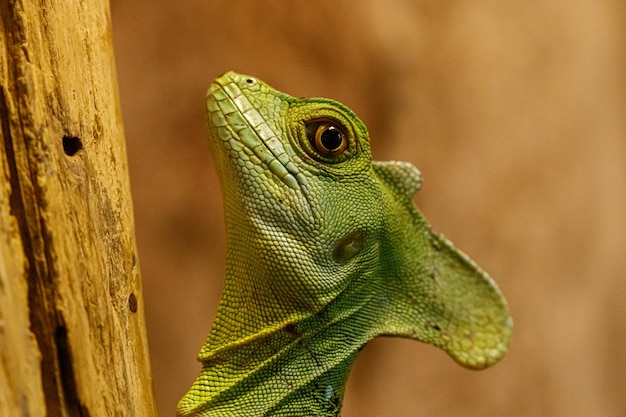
column 325, row 251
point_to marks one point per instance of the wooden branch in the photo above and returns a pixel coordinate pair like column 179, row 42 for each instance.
column 72, row 330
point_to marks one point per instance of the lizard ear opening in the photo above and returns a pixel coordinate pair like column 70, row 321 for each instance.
column 348, row 246
column 402, row 177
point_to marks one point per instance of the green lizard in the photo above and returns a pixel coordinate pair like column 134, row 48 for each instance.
column 325, row 252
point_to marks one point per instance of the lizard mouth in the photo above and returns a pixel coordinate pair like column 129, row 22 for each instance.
column 245, row 132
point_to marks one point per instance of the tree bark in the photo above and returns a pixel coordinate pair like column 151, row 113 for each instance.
column 72, row 331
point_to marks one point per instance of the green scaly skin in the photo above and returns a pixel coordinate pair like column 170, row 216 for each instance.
column 325, row 252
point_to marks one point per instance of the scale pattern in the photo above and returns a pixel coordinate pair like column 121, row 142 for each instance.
column 325, row 252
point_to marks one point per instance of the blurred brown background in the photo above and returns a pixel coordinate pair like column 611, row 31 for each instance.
column 514, row 112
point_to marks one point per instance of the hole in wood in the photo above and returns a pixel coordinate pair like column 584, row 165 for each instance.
column 71, row 145
column 132, row 303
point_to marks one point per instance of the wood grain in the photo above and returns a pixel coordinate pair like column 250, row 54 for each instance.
column 72, row 331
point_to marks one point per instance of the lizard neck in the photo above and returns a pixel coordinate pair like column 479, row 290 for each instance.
column 299, row 369
column 264, row 358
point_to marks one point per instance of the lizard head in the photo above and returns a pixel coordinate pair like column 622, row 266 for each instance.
column 317, row 230
column 297, row 182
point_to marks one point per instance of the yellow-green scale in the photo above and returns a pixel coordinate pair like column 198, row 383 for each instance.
column 325, row 252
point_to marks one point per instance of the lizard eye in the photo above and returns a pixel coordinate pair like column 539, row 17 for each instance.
column 327, row 137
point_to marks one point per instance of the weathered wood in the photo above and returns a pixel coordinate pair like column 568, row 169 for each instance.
column 72, row 331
